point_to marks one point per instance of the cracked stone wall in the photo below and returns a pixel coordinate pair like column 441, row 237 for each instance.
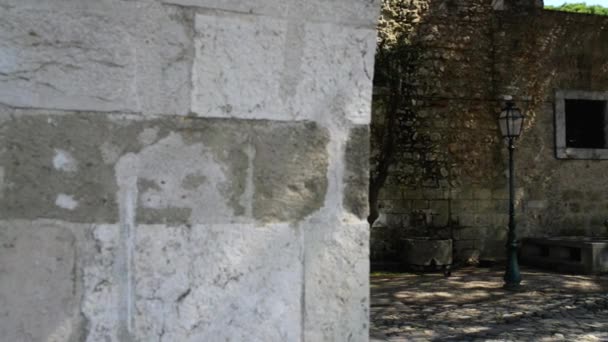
column 449, row 175
column 185, row 170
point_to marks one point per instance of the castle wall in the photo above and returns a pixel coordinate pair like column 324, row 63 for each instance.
column 448, row 177
column 184, row 170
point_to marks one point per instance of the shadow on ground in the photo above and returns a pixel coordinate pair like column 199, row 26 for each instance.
column 472, row 306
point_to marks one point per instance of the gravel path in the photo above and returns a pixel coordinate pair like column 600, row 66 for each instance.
column 472, row 306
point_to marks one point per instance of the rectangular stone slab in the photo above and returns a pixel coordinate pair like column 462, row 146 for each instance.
column 185, row 170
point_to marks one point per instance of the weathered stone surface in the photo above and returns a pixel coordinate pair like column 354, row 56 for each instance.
column 276, row 8
column 162, row 169
column 356, row 172
column 227, row 171
column 358, row 12
column 40, row 283
column 297, row 186
column 251, row 54
column 329, row 294
column 162, row 268
column 306, row 84
column 105, row 56
column 244, row 174
column 189, row 290
column 361, row 12
column 574, row 254
column 332, row 57
column 60, row 281
column 38, row 185
column 426, row 252
column 106, row 280
column 448, row 149
column 189, row 143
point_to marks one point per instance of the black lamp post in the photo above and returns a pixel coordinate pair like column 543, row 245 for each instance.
column 511, row 122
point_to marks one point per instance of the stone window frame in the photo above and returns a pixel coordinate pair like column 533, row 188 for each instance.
column 562, row 151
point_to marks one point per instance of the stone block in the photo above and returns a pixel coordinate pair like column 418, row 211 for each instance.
column 210, row 282
column 356, row 172
column 472, row 220
column 394, row 206
column 434, row 194
column 275, row 8
column 574, row 254
column 360, row 12
column 468, row 244
column 278, row 72
column 105, row 56
column 1, row 182
column 440, row 213
column 499, row 220
column 289, row 170
column 389, row 192
column 40, row 286
column 501, row 206
column 392, row 220
column 242, row 173
column 482, row 194
column 469, row 233
column 426, row 252
column 493, row 249
column 334, row 73
column 420, row 204
column 231, row 172
column 462, row 193
column 413, row 194
column 498, row 5
column 37, row 183
column 228, row 171
column 105, row 303
column 162, row 265
column 336, row 285
column 502, row 194
column 485, row 206
column 66, row 61
column 497, row 233
column 536, row 204
column 241, row 77
column 460, row 207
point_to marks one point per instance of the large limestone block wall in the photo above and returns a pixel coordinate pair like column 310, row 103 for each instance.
column 449, row 174
column 185, row 170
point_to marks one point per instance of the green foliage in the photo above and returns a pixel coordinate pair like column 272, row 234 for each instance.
column 580, row 8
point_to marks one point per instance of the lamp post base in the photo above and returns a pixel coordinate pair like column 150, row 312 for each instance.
column 512, row 277
column 512, row 287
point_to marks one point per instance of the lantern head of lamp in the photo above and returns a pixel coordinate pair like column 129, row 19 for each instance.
column 511, row 121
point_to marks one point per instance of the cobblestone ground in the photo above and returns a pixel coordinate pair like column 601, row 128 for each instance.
column 472, row 306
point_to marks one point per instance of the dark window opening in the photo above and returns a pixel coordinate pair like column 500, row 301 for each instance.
column 585, row 121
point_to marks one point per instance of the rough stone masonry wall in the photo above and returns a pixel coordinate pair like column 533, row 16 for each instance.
column 564, row 52
column 445, row 134
column 184, row 170
column 449, row 175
